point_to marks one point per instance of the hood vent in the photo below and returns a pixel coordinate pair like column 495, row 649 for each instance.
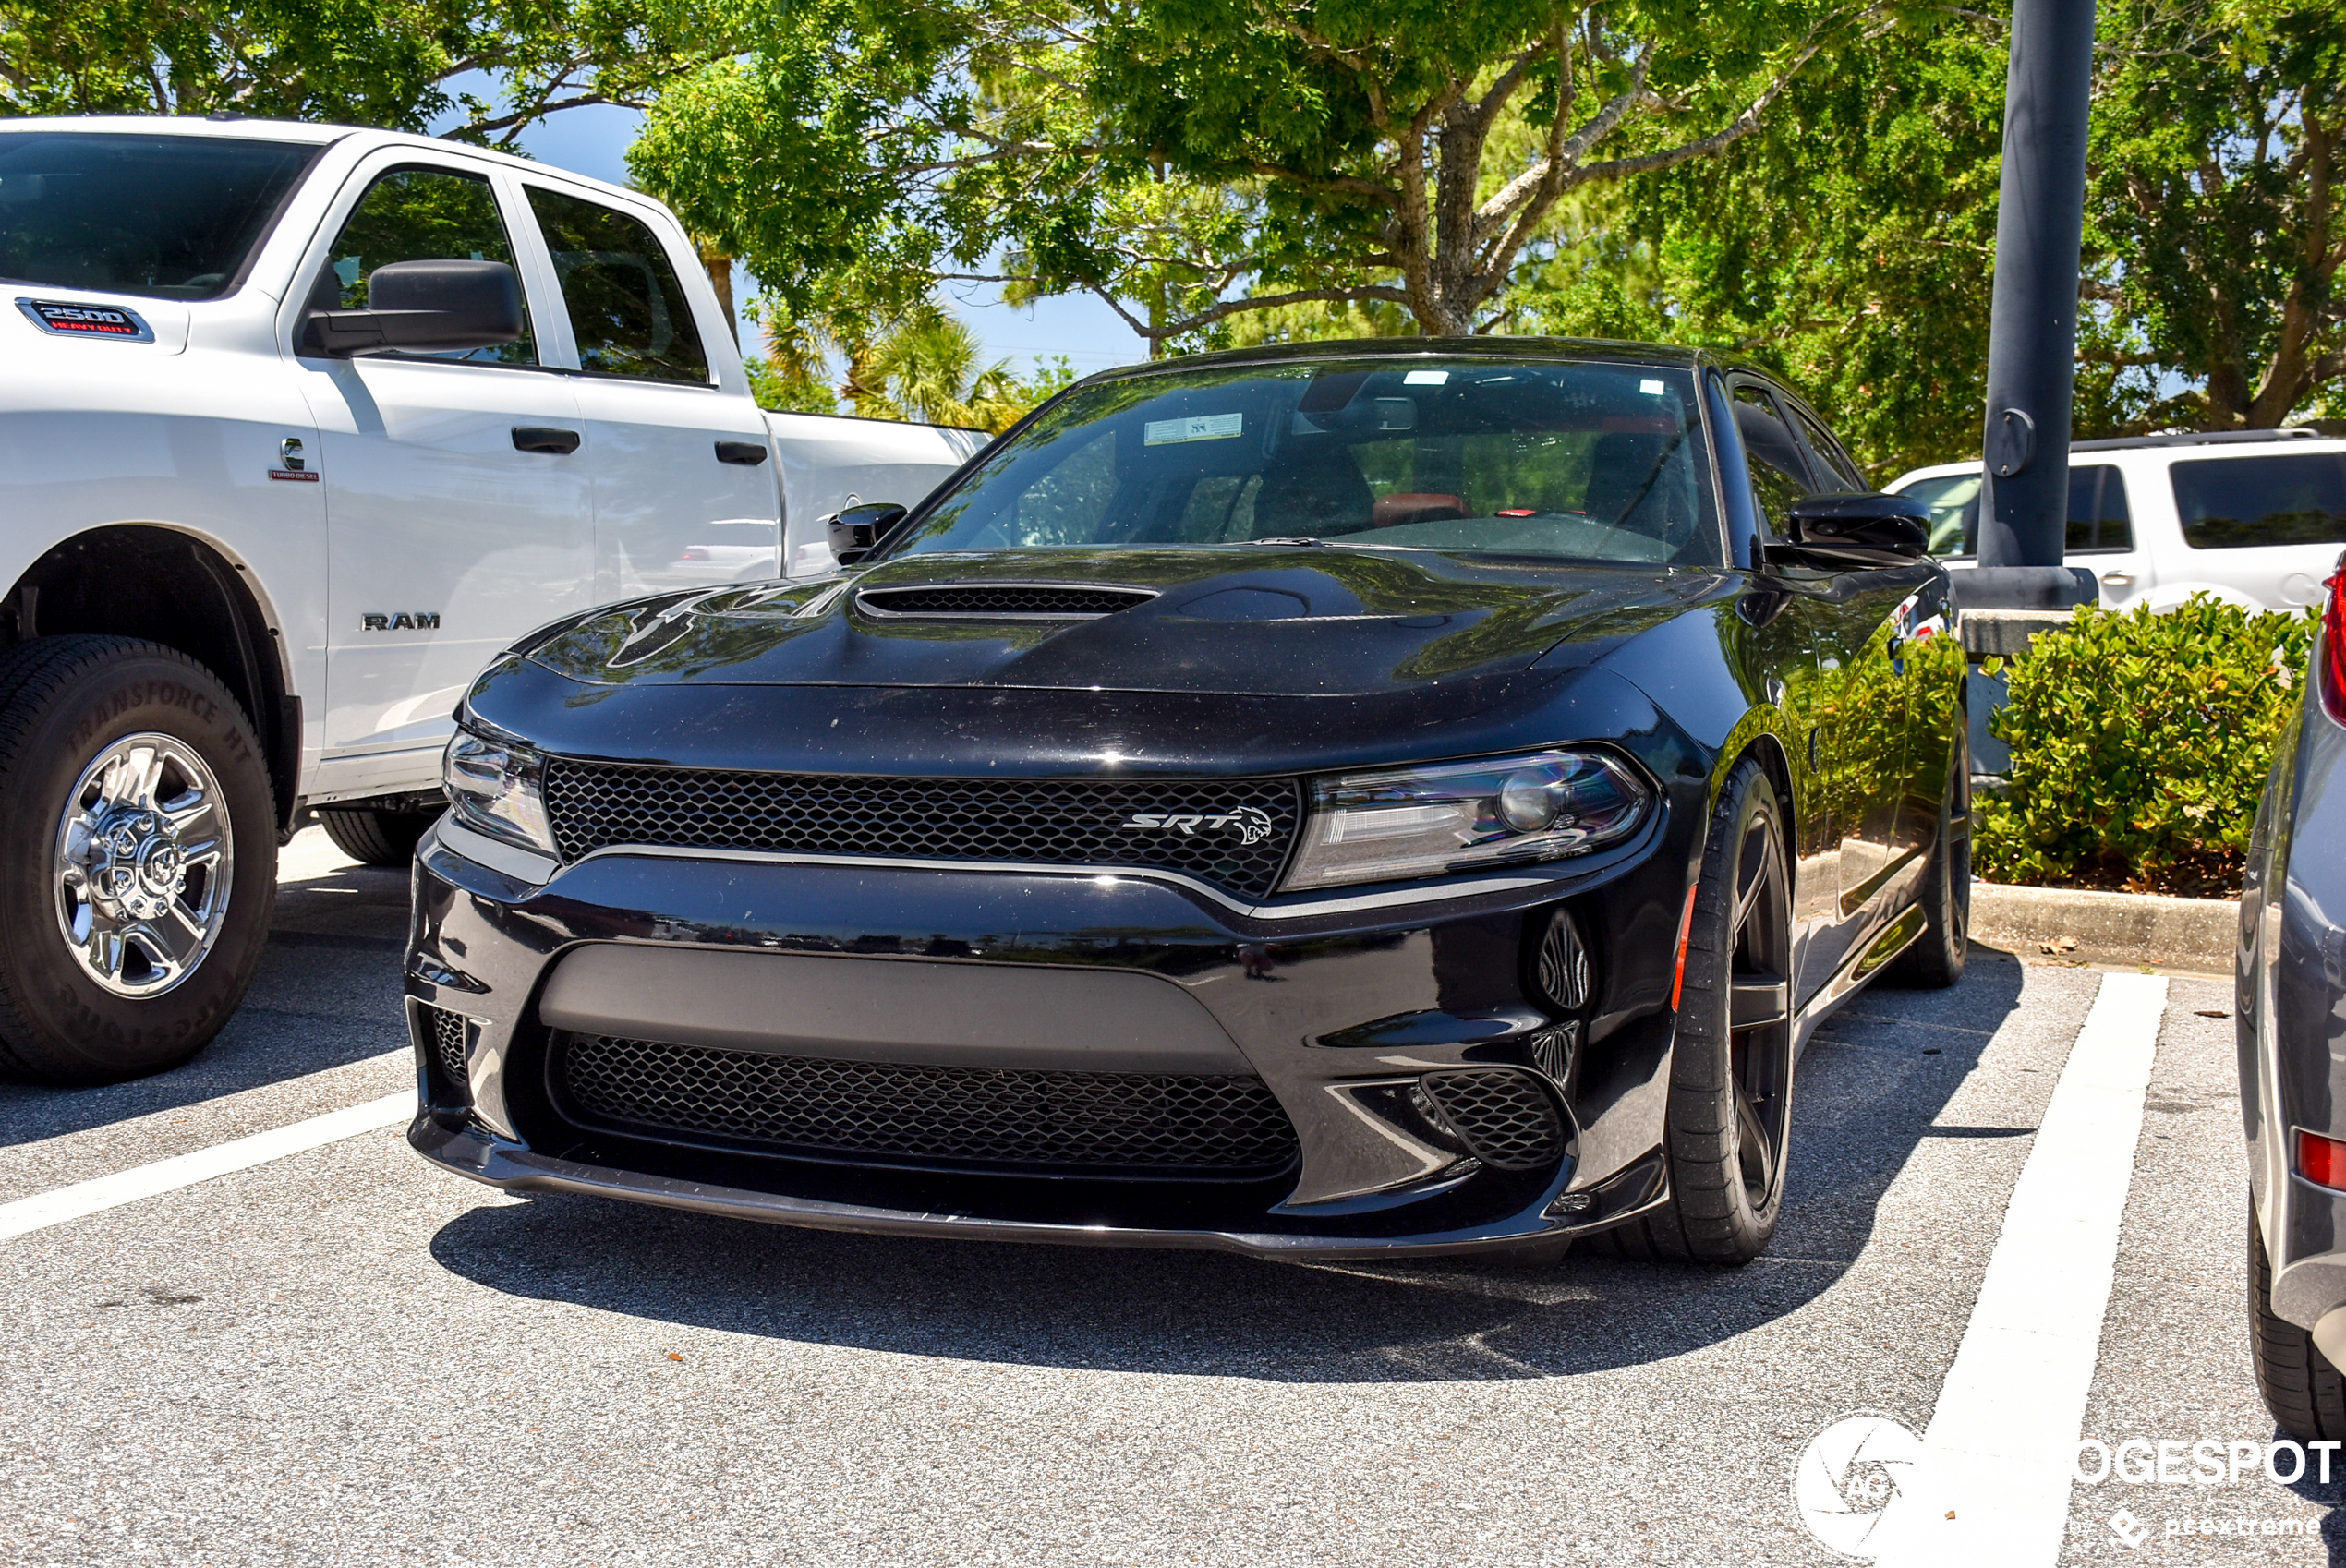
column 1001, row 602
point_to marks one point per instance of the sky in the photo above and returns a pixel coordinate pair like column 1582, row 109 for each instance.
column 594, row 140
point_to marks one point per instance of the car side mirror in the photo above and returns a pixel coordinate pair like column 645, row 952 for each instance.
column 856, row 531
column 426, row 306
column 1863, row 529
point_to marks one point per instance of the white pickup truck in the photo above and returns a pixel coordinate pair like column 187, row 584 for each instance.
column 301, row 426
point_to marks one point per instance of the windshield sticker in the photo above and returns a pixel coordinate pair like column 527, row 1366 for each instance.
column 1651, row 388
column 1426, row 379
column 69, row 319
column 1196, row 428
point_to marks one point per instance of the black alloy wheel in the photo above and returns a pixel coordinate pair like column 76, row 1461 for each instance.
column 1730, row 1116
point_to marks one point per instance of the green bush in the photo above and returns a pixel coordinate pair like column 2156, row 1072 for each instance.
column 2139, row 745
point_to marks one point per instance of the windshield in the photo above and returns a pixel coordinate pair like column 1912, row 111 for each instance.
column 173, row 216
column 1588, row 462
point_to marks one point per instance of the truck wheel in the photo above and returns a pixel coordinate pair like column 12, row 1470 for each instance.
column 2301, row 1388
column 1730, row 1112
column 138, row 857
column 376, row 838
column 1934, row 961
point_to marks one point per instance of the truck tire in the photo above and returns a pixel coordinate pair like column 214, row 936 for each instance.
column 376, row 838
column 138, row 857
column 2301, row 1388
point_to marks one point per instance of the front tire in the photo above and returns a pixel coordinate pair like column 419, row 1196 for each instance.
column 138, row 857
column 2301, row 1388
column 376, row 838
column 1730, row 1114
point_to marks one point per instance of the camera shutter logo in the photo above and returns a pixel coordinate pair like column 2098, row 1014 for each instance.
column 1848, row 1478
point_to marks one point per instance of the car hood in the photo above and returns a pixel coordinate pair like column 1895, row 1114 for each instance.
column 1271, row 621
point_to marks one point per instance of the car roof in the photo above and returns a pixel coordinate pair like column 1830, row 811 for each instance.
column 1485, row 347
column 2195, row 446
column 239, row 129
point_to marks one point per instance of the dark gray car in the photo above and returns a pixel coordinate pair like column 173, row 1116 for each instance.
column 2291, row 983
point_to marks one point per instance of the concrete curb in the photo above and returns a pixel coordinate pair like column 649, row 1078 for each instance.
column 2107, row 928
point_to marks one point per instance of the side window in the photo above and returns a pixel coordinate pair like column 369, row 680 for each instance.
column 1778, row 477
column 2246, row 503
column 626, row 307
column 421, row 215
column 1954, row 500
column 1825, row 454
column 2098, row 515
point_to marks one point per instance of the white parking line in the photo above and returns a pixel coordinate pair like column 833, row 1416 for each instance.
column 1995, row 1471
column 185, row 1170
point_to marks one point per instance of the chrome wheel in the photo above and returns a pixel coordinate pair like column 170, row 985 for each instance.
column 143, row 865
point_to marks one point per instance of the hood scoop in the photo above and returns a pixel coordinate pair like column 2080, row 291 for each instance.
column 998, row 601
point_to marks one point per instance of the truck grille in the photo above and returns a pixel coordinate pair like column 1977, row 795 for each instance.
column 1237, row 833
column 1229, row 1127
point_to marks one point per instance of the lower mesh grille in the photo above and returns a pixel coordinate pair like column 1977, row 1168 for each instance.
column 1218, row 1126
column 444, row 1032
column 1505, row 1116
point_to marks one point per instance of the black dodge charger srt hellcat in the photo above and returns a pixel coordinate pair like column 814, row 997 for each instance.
column 1392, row 797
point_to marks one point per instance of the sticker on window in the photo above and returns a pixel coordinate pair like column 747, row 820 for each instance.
column 1426, row 379
column 1196, row 428
column 75, row 321
column 1651, row 388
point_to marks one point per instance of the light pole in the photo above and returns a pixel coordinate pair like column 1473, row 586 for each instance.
column 2032, row 336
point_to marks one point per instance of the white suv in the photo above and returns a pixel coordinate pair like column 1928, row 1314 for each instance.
column 2256, row 518
column 301, row 426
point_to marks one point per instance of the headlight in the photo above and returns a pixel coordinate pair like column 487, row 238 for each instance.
column 1465, row 815
column 494, row 788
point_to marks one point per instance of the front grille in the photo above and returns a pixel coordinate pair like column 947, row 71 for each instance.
column 445, row 1034
column 1505, row 1117
column 1171, row 1125
column 1039, row 821
column 1002, row 599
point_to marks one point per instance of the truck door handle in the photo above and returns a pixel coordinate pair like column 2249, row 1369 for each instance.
column 2116, row 579
column 545, row 438
column 749, row 454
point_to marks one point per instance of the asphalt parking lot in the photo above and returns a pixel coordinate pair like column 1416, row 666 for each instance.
column 342, row 1356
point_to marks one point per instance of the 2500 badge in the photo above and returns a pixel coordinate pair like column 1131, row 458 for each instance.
column 66, row 319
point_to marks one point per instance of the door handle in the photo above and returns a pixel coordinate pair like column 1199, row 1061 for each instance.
column 749, row 454
column 545, row 438
column 2116, row 579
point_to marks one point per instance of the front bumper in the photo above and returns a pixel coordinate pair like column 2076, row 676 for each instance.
column 1338, row 1015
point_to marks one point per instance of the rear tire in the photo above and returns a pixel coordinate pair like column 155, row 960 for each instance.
column 1934, row 961
column 2301, row 1388
column 138, row 857
column 1730, row 1111
column 376, row 838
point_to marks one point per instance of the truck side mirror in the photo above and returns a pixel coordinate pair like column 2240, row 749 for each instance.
column 427, row 307
column 1863, row 529
column 856, row 530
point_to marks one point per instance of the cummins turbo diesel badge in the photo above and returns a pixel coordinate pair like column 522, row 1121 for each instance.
column 69, row 319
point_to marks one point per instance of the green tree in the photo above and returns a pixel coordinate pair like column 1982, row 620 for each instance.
column 2215, row 237
column 922, row 365
column 1192, row 161
column 397, row 64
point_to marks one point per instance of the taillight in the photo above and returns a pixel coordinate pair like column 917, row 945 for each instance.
column 2321, row 1160
column 2332, row 674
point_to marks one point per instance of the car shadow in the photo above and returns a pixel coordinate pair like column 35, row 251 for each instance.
column 1867, row 1095
column 327, row 994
